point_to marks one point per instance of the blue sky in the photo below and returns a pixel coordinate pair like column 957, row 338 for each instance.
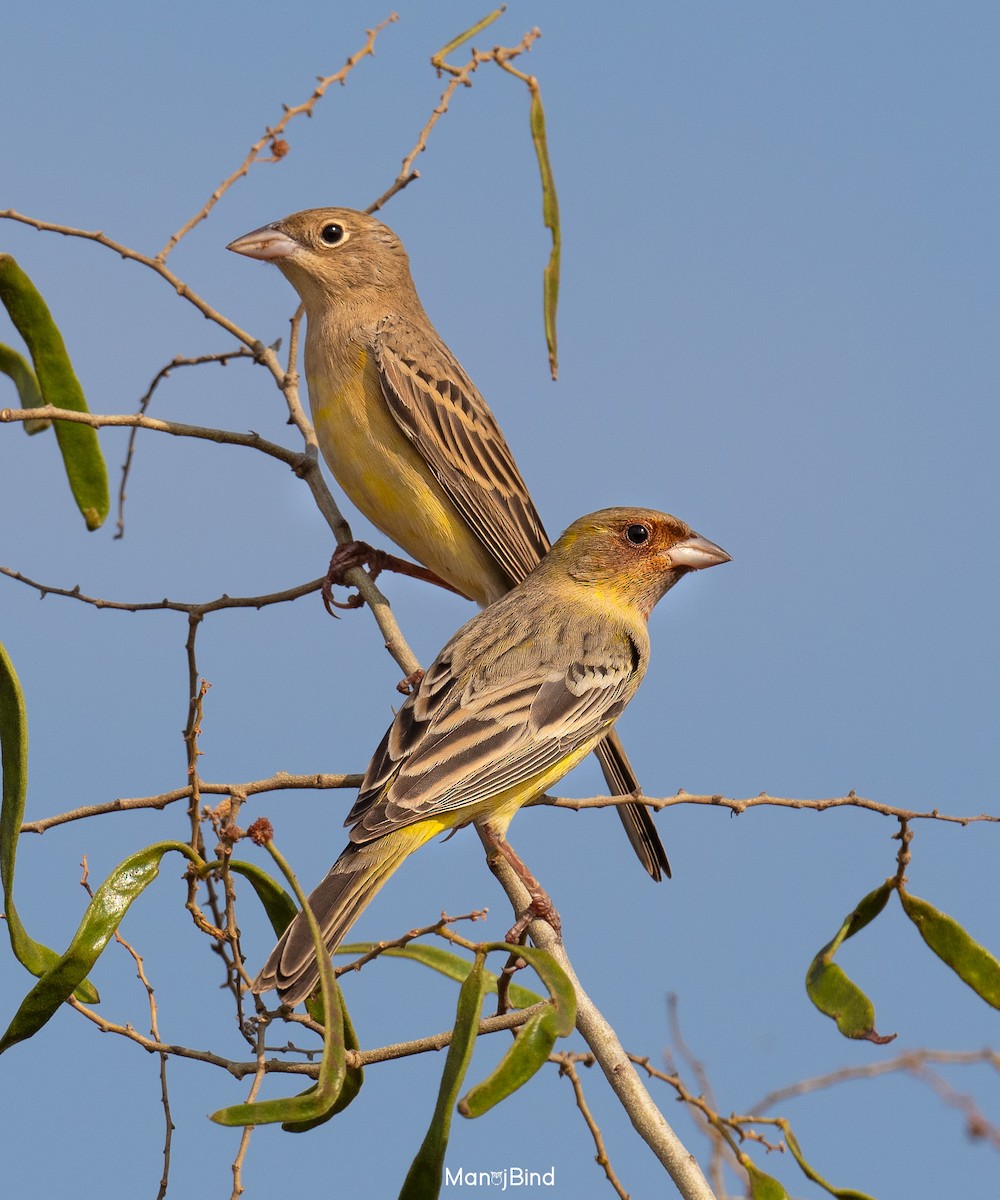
column 778, row 321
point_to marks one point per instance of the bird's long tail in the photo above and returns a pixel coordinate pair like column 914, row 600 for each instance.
column 348, row 888
column 635, row 817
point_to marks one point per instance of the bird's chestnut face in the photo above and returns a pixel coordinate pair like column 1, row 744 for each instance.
column 637, row 534
column 633, row 554
column 643, row 534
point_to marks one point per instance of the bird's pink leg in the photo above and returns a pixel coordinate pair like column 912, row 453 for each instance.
column 541, row 902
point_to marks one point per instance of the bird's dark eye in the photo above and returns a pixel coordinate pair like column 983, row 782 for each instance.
column 637, row 534
column 332, row 233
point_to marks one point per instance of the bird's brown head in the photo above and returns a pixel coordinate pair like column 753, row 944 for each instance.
column 326, row 253
column 632, row 556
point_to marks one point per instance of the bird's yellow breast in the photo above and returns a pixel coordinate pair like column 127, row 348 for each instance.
column 386, row 477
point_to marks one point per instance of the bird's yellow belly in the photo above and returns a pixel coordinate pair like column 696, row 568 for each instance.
column 500, row 809
column 387, row 479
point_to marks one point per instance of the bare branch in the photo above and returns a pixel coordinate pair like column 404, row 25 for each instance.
column 164, row 373
column 305, row 465
column 355, row 1058
column 126, row 252
column 258, row 1079
column 281, row 781
column 716, row 800
column 567, row 1068
column 912, row 1060
column 253, row 441
column 646, row 1118
column 154, row 1030
column 461, row 77
column 191, row 608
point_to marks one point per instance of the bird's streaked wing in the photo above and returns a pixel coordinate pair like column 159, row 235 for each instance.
column 452, row 746
column 444, row 416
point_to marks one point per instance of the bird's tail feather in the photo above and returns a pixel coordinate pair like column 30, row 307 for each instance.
column 337, row 902
column 638, row 823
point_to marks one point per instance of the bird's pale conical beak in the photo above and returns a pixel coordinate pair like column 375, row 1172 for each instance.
column 697, row 552
column 266, row 244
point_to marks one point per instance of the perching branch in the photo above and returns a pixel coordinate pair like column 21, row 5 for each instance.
column 646, row 1118
column 716, row 800
column 305, row 465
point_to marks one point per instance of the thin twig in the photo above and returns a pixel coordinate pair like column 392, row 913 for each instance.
column 568, row 1069
column 355, row 1058
column 911, row 1060
column 460, row 77
column 735, row 806
column 272, row 134
column 144, row 402
column 258, row 1079
column 154, row 1030
column 226, row 437
column 697, row 1068
column 191, row 608
column 154, row 264
column 439, row 927
column 279, row 782
column 306, row 467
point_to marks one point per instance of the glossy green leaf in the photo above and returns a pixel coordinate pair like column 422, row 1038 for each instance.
column 316, row 1103
column 527, row 1053
column 554, row 978
column 103, row 916
column 354, row 1077
column 281, row 909
column 533, row 1043
column 762, row 1187
column 451, row 965
column 81, row 452
column 14, row 764
column 423, row 1180
column 811, row 1173
column 832, row 991
column 279, row 906
column 19, row 371
column 969, row 960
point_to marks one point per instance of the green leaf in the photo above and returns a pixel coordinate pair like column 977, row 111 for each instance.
column 811, row 1173
column 281, row 909
column 423, row 1180
column 451, row 965
column 28, row 392
column 554, row 978
column 318, row 1102
column 354, row 1077
column 832, row 991
column 970, row 961
column 534, row 1040
column 526, row 1055
column 82, row 458
column 103, row 916
column 14, row 764
column 762, row 1187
